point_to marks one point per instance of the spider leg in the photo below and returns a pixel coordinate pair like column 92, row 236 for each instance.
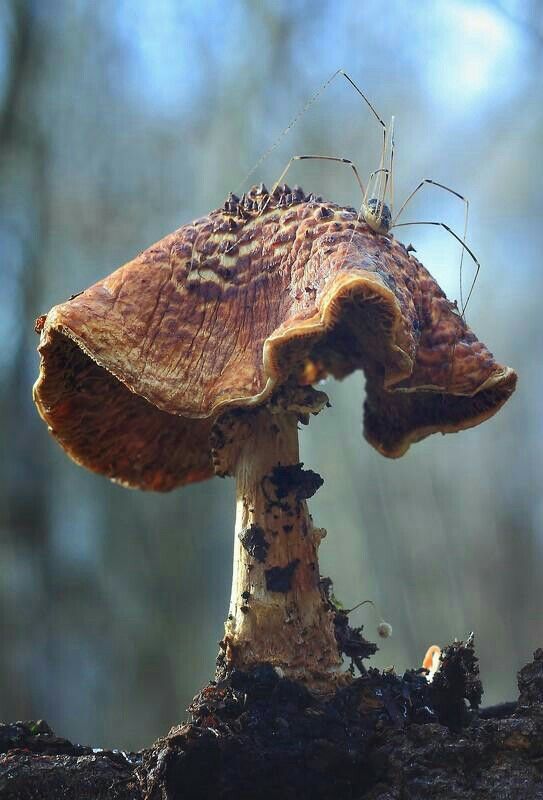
column 464, row 306
column 430, row 182
column 464, row 247
column 339, row 160
column 310, row 102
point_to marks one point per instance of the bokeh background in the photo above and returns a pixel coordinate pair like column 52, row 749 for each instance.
column 121, row 120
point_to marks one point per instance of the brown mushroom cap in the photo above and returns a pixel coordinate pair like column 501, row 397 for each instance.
column 220, row 313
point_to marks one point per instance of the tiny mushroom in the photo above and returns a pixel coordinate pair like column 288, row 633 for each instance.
column 431, row 661
column 198, row 357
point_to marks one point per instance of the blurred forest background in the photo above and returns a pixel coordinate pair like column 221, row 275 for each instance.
column 120, row 121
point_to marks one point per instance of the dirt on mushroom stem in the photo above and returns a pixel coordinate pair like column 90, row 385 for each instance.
column 279, row 612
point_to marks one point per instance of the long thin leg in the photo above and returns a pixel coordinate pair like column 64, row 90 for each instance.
column 346, row 161
column 386, row 173
column 376, row 115
column 391, row 140
column 380, row 172
column 314, row 97
column 428, row 181
column 363, row 96
column 463, row 306
column 464, row 247
column 337, row 159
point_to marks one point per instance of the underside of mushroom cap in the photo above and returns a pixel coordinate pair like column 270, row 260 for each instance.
column 107, row 428
column 219, row 314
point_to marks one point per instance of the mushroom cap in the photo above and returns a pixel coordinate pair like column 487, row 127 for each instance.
column 217, row 315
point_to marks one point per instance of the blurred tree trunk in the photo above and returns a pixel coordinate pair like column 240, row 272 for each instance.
column 23, row 232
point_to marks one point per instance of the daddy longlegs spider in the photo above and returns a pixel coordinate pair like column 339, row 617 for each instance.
column 376, row 209
column 378, row 197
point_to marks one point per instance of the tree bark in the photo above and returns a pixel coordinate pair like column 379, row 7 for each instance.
column 258, row 735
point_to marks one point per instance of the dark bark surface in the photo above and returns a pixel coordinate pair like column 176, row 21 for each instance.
column 258, row 735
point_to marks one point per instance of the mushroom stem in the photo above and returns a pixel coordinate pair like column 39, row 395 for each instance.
column 278, row 611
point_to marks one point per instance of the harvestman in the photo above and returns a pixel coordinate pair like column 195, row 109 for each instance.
column 378, row 196
column 377, row 205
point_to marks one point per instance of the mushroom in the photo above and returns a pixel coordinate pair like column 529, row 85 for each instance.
column 431, row 661
column 198, row 358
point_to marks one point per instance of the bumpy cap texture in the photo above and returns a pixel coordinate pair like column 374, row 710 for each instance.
column 222, row 312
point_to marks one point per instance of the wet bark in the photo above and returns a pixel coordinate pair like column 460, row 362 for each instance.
column 256, row 734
